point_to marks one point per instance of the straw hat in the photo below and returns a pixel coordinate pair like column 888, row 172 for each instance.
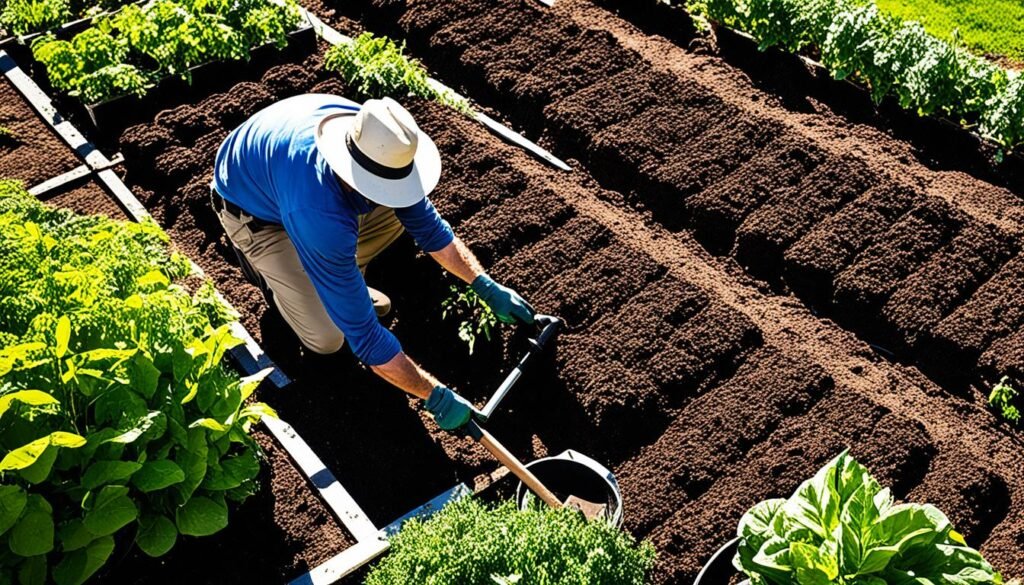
column 380, row 152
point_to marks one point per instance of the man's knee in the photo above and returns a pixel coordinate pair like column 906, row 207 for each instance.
column 324, row 343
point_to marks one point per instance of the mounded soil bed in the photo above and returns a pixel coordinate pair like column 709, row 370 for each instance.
column 704, row 389
column 32, row 153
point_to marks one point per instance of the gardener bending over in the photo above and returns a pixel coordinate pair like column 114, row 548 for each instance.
column 309, row 191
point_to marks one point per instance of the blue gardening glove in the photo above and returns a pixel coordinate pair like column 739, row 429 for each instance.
column 506, row 303
column 450, row 410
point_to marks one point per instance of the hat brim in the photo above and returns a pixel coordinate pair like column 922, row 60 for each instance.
column 426, row 167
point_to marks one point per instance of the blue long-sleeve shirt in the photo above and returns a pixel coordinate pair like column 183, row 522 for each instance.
column 270, row 167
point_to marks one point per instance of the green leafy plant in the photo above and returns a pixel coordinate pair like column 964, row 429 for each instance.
column 124, row 53
column 842, row 527
column 25, row 16
column 377, row 67
column 856, row 40
column 475, row 316
column 471, row 542
column 116, row 413
column 1003, row 397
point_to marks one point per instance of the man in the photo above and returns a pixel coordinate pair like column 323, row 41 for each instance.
column 309, row 191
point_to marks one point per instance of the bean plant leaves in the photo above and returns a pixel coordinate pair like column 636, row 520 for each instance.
column 842, row 522
column 76, row 567
column 74, row 535
column 29, row 397
column 33, row 533
column 201, row 516
column 157, row 475
column 102, row 472
column 12, row 502
column 111, row 510
column 63, row 336
column 26, row 455
column 232, row 472
column 157, row 535
column 33, row 571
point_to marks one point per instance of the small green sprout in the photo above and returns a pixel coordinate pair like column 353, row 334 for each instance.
column 1002, row 397
column 477, row 317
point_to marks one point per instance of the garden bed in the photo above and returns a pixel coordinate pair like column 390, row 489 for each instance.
column 296, row 531
column 702, row 388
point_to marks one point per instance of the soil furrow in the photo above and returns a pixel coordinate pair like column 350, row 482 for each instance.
column 751, row 174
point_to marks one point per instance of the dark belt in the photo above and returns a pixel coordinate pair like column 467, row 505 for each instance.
column 221, row 204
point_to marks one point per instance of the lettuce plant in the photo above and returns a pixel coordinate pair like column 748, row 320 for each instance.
column 116, row 414
column 842, row 527
column 471, row 542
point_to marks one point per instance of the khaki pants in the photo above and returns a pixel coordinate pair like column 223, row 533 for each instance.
column 269, row 250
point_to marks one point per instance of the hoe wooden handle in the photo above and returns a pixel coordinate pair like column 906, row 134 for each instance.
column 508, row 460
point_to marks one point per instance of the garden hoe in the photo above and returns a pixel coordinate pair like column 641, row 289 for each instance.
column 549, row 327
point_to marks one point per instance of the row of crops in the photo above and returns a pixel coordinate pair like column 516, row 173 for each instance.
column 116, row 413
column 892, row 57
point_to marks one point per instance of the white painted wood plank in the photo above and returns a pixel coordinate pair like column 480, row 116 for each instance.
column 343, row 563
column 333, row 493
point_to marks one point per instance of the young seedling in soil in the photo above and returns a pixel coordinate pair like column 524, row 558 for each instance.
column 1002, row 397
column 377, row 67
column 477, row 317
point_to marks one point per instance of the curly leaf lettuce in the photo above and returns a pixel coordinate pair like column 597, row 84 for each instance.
column 842, row 527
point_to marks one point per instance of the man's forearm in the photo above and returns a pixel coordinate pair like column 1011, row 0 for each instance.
column 459, row 260
column 407, row 375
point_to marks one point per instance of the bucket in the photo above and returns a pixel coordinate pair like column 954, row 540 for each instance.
column 572, row 473
column 719, row 570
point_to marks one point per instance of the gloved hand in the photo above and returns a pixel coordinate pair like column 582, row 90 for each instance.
column 450, row 410
column 506, row 303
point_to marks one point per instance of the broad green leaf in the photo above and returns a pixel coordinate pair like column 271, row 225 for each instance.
column 63, row 336
column 33, row 571
column 26, row 455
column 201, row 516
column 73, row 535
column 157, row 534
column 33, row 533
column 111, row 510
column 192, row 460
column 12, row 502
column 103, row 472
column 67, row 440
column 40, row 469
column 209, row 423
column 773, row 560
column 248, row 384
column 29, row 397
column 140, row 426
column 76, row 567
column 813, row 565
column 157, row 475
column 257, row 410
column 153, row 277
column 144, row 375
column 120, row 404
column 232, row 472
column 815, row 505
column 755, row 528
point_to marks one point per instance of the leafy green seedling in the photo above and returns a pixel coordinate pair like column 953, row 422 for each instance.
column 476, row 317
column 378, row 67
column 1002, row 397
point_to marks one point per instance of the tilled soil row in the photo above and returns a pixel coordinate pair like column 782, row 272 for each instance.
column 29, row 151
column 703, row 392
column 918, row 261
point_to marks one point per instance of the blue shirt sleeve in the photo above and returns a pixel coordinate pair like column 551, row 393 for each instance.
column 426, row 225
column 326, row 244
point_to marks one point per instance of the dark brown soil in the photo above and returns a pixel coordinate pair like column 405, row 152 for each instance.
column 32, row 153
column 702, row 388
column 87, row 198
